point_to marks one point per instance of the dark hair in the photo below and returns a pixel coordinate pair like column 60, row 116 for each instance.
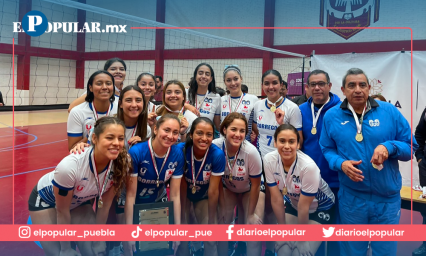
column 193, row 85
column 285, row 84
column 147, row 74
column 141, row 130
column 162, row 120
column 220, row 91
column 90, row 96
column 231, row 68
column 229, row 119
column 317, row 72
column 121, row 163
column 379, row 96
column 284, row 127
column 111, row 61
column 159, row 77
column 162, row 110
column 244, row 88
column 354, row 71
column 275, row 73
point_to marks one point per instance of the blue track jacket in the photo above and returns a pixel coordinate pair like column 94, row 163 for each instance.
column 311, row 145
column 384, row 125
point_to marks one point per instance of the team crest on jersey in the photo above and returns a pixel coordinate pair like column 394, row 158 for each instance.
column 172, row 165
column 169, row 174
column 374, row 123
column 206, row 175
column 259, row 118
column 297, row 188
column 241, row 171
column 142, row 171
column 207, row 167
column 240, row 162
column 223, row 106
column 80, row 188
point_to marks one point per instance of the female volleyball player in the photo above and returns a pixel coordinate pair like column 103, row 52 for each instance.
column 155, row 162
column 63, row 195
column 269, row 113
column 202, row 94
column 205, row 165
column 117, row 68
column 242, row 176
column 174, row 99
column 99, row 102
column 146, row 81
column 294, row 176
column 237, row 101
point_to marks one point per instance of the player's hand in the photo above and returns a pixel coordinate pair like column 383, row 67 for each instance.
column 380, row 155
column 99, row 248
column 279, row 244
column 152, row 117
column 279, row 116
column 192, row 109
column 353, row 173
column 175, row 247
column 252, row 136
column 79, row 147
column 133, row 140
column 69, row 252
column 304, row 248
column 254, row 219
column 183, row 125
column 130, row 248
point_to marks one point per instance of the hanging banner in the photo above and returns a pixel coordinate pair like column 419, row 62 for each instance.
column 294, row 83
column 389, row 74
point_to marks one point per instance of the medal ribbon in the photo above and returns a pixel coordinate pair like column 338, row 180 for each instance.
column 227, row 159
column 151, row 151
column 357, row 121
column 238, row 105
column 100, row 189
column 284, row 175
column 193, row 165
column 133, row 134
column 95, row 113
column 315, row 118
column 202, row 102
column 175, row 111
column 274, row 104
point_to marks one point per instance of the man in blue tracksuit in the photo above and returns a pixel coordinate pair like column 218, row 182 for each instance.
column 321, row 100
column 362, row 140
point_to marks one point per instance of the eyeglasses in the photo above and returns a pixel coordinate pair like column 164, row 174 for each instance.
column 320, row 84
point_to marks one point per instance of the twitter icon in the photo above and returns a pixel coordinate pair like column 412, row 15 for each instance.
column 329, row 232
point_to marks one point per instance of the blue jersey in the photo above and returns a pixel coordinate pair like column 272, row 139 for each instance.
column 214, row 165
column 143, row 168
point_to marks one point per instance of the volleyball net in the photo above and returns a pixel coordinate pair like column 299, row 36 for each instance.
column 54, row 68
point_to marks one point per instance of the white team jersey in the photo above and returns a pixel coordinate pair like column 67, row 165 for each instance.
column 303, row 178
column 130, row 133
column 267, row 124
column 210, row 104
column 244, row 106
column 150, row 106
column 247, row 165
column 75, row 172
column 83, row 117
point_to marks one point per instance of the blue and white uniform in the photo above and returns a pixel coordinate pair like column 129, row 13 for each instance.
column 208, row 104
column 143, row 168
column 83, row 117
column 267, row 124
column 214, row 165
column 303, row 178
column 243, row 104
column 74, row 173
column 247, row 165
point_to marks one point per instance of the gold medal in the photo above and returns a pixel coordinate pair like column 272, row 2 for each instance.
column 273, row 108
column 359, row 137
column 314, row 130
column 230, row 176
column 180, row 116
column 284, row 191
column 100, row 204
column 194, row 190
column 158, row 183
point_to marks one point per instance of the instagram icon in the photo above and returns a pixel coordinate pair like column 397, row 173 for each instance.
column 24, row 232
